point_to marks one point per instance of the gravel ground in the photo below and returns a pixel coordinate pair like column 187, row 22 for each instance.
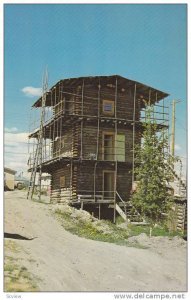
column 65, row 262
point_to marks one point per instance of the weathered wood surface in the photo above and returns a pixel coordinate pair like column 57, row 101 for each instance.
column 77, row 132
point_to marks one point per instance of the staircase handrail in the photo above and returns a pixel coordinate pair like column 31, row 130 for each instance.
column 124, row 203
column 125, row 206
column 176, row 176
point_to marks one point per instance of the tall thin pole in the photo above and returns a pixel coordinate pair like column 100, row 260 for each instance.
column 174, row 102
column 41, row 137
column 115, row 156
column 173, row 128
column 134, row 103
column 81, row 151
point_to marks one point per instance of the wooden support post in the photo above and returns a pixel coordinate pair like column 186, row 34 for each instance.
column 173, row 128
column 98, row 121
column 115, row 156
column 81, row 151
column 81, row 138
column 95, row 180
column 133, row 167
column 114, row 213
column 71, row 177
column 82, row 204
column 99, row 211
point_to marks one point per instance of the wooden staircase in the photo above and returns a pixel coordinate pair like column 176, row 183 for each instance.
column 180, row 181
column 127, row 211
column 130, row 214
column 121, row 212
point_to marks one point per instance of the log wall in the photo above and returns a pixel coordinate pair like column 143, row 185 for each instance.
column 90, row 142
column 85, row 181
column 177, row 217
column 92, row 102
column 62, row 145
column 88, row 101
column 79, row 140
column 61, row 194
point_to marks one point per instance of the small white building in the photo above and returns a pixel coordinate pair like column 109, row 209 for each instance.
column 9, row 179
column 45, row 182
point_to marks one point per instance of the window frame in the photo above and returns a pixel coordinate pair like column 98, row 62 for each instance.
column 108, row 133
column 120, row 152
column 105, row 112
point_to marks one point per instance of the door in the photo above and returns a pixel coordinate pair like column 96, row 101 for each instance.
column 108, row 146
column 108, row 184
column 120, row 147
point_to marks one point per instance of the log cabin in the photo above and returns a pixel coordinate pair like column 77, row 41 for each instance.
column 89, row 138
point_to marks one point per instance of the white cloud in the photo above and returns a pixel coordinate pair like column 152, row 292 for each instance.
column 12, row 129
column 15, row 139
column 16, row 151
column 177, row 147
column 31, row 91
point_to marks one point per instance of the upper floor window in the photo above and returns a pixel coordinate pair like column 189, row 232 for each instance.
column 113, row 146
column 108, row 107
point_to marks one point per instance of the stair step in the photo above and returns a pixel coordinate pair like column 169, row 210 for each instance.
column 119, row 210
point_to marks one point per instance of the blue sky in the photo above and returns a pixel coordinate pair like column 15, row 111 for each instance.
column 146, row 43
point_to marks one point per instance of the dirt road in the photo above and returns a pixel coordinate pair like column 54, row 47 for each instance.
column 65, row 262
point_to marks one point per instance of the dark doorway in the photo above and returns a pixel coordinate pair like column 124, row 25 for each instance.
column 108, row 184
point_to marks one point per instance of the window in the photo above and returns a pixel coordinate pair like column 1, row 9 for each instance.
column 108, row 107
column 120, row 147
column 62, row 182
column 113, row 146
column 108, row 146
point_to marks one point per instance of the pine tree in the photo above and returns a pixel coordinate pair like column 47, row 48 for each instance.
column 152, row 199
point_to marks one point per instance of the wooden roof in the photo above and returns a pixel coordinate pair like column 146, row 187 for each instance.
column 142, row 90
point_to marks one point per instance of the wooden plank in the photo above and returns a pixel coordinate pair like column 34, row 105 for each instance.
column 120, row 211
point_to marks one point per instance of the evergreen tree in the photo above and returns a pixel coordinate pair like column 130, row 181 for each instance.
column 152, row 198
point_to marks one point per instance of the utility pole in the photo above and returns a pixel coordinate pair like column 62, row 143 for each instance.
column 174, row 102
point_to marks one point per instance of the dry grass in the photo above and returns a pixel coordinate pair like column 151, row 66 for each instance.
column 16, row 277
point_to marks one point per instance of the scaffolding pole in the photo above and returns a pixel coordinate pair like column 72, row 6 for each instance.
column 38, row 158
column 81, row 151
column 134, row 106
column 97, row 142
column 41, row 137
column 115, row 156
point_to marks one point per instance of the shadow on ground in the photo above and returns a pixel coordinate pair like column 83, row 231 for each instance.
column 16, row 236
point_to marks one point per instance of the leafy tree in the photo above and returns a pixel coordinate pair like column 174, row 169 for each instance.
column 152, row 197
